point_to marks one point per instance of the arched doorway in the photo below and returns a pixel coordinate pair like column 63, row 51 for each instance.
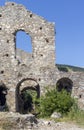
column 3, row 93
column 26, row 90
column 64, row 83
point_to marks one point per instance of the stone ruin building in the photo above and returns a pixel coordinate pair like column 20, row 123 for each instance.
column 21, row 71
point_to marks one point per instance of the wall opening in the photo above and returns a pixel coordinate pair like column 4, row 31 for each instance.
column 23, row 41
column 27, row 91
column 64, row 83
column 23, row 44
column 3, row 94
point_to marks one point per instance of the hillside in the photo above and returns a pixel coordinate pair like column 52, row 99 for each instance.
column 66, row 68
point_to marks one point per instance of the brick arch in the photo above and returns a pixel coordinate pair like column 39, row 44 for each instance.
column 19, row 100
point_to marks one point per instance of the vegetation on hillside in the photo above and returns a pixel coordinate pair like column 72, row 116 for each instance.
column 66, row 68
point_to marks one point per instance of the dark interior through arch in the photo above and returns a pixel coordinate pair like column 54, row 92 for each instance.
column 25, row 97
column 64, row 83
column 3, row 93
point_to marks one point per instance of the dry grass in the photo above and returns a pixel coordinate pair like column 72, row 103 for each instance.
column 6, row 125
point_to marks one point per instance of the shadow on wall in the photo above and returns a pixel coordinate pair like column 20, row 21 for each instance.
column 26, row 90
column 64, row 83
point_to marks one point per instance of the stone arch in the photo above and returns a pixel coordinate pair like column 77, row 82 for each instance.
column 21, row 87
column 64, row 83
column 3, row 93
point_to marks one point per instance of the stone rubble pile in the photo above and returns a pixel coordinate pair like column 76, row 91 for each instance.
column 29, row 122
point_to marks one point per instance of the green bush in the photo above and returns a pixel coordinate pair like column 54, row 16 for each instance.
column 55, row 101
column 61, row 68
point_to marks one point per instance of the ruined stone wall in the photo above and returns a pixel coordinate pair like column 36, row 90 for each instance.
column 78, row 85
column 40, row 64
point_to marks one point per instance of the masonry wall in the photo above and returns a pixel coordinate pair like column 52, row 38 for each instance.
column 13, row 18
column 40, row 64
column 78, row 85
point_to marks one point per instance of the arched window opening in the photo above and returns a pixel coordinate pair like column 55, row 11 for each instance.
column 64, row 83
column 3, row 93
column 23, row 44
column 23, row 41
column 27, row 91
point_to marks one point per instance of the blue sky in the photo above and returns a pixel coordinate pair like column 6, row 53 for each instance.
column 68, row 16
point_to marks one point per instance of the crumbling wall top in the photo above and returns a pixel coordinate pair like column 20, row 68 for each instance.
column 13, row 18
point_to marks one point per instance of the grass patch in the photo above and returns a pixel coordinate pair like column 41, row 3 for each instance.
column 76, row 116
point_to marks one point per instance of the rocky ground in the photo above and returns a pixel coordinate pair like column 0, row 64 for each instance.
column 60, row 126
column 15, row 121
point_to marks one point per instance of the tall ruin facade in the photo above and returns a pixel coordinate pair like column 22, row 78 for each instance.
column 35, row 70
